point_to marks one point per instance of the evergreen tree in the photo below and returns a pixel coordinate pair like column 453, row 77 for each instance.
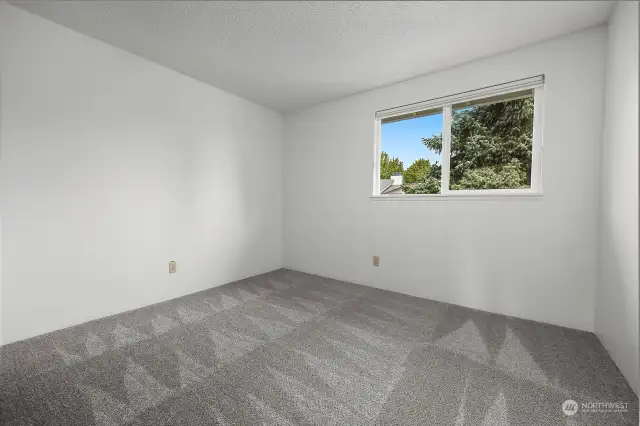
column 490, row 145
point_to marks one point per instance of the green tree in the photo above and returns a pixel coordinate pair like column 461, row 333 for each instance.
column 490, row 145
column 508, row 176
column 429, row 184
column 389, row 166
column 417, row 172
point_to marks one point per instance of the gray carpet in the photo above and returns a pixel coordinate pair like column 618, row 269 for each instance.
column 287, row 348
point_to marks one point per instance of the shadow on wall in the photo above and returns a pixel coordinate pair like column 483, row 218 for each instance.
column 234, row 204
column 617, row 290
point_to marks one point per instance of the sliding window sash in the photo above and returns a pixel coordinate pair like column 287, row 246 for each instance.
column 447, row 113
column 537, row 142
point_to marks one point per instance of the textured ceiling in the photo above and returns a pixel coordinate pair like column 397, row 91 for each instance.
column 289, row 55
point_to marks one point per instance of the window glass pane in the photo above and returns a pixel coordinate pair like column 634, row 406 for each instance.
column 410, row 159
column 491, row 143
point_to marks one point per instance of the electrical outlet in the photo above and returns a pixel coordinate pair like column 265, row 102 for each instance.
column 376, row 261
column 172, row 266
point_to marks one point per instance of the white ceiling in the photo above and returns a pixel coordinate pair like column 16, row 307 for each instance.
column 289, row 55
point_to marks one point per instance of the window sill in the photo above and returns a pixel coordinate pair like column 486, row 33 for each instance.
column 458, row 195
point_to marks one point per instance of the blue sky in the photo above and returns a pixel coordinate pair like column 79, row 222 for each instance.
column 403, row 139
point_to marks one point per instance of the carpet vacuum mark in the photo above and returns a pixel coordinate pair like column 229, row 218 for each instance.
column 287, row 348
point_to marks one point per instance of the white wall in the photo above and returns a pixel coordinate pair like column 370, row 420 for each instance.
column 112, row 166
column 529, row 257
column 617, row 291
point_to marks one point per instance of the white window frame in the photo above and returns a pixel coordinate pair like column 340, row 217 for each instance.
column 445, row 103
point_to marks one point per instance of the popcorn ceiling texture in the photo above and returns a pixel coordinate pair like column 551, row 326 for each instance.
column 287, row 348
column 290, row 55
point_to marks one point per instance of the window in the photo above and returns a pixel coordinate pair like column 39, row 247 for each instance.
column 406, row 163
column 487, row 141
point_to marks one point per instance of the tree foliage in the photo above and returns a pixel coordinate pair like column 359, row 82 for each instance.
column 497, row 177
column 417, row 172
column 429, row 183
column 389, row 166
column 490, row 146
